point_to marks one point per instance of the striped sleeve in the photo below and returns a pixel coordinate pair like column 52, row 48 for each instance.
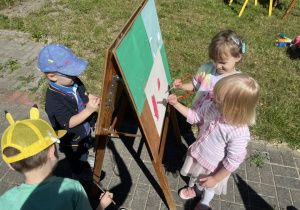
column 236, row 151
column 197, row 115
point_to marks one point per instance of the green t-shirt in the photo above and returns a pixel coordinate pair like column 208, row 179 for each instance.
column 54, row 193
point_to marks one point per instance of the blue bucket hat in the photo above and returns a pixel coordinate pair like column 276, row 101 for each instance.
column 58, row 58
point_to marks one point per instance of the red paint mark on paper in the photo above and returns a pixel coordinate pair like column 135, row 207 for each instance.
column 66, row 63
column 158, row 84
column 155, row 107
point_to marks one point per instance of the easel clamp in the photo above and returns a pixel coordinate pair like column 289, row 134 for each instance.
column 112, row 89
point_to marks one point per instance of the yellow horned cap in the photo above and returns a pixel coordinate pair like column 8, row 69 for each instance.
column 9, row 117
column 34, row 112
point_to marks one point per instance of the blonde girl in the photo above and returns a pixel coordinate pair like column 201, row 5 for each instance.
column 221, row 143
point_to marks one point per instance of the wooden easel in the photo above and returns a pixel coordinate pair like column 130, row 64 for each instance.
column 109, row 124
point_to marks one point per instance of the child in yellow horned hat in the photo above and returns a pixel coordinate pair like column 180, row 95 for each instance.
column 28, row 147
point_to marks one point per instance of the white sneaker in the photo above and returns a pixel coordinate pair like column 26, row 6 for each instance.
column 91, row 160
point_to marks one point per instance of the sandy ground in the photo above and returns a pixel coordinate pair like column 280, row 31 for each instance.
column 22, row 9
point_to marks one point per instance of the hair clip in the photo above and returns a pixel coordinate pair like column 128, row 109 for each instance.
column 243, row 47
column 235, row 40
column 238, row 43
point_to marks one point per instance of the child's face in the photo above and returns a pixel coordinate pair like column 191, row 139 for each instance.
column 64, row 80
column 226, row 66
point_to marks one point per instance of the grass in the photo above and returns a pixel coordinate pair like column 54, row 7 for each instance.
column 89, row 26
column 258, row 158
column 11, row 64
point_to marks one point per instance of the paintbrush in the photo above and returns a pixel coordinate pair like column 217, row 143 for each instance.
column 180, row 82
column 96, row 99
column 160, row 102
column 103, row 191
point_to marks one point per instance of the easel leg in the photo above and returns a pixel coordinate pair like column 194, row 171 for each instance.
column 175, row 126
column 164, row 183
column 100, row 152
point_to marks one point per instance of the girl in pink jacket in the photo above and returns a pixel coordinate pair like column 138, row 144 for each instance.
column 221, row 143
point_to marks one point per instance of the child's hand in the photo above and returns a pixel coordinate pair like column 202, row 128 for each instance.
column 91, row 96
column 177, row 84
column 105, row 199
column 172, row 99
column 93, row 104
column 208, row 182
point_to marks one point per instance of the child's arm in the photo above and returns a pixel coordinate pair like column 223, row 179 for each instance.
column 211, row 181
column 172, row 99
column 91, row 107
column 105, row 200
column 187, row 86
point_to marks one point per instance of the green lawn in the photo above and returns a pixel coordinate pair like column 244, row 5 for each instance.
column 89, row 26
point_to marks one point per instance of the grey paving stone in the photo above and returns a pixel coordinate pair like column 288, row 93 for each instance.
column 285, row 171
column 266, row 175
column 108, row 165
column 172, row 175
column 241, row 173
column 275, row 155
column 215, row 204
column 230, row 191
column 262, row 189
column 152, row 180
column 122, row 186
column 3, row 169
column 296, row 154
column 126, row 153
column 122, row 200
column 257, row 145
column 140, row 197
column 242, row 166
column 287, row 182
column 287, row 157
column 296, row 198
column 164, row 206
column 284, row 197
column 123, row 167
column 104, row 183
column 153, row 198
column 149, row 167
column 242, row 197
column 1, row 161
column 297, row 161
column 13, row 177
column 135, row 171
column 229, row 206
column 252, row 172
column 263, row 202
column 4, row 187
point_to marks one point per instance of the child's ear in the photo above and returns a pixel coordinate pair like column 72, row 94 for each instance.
column 52, row 77
column 52, row 152
column 237, row 59
column 10, row 167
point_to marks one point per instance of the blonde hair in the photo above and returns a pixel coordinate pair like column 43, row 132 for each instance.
column 238, row 96
column 223, row 43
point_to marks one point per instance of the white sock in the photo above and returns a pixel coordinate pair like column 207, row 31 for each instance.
column 207, row 196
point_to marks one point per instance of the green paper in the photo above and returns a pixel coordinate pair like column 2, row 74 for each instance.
column 135, row 58
column 166, row 64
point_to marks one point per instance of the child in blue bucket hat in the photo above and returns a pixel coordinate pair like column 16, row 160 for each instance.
column 69, row 106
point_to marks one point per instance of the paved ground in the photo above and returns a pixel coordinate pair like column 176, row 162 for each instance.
column 127, row 169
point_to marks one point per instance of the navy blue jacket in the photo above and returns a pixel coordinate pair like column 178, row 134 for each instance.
column 60, row 107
